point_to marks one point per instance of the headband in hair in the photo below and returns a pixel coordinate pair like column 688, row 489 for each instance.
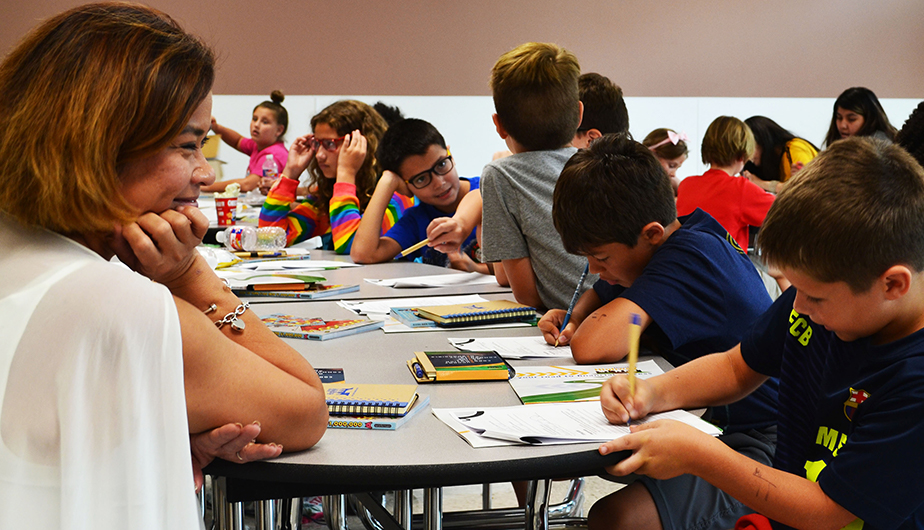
column 672, row 137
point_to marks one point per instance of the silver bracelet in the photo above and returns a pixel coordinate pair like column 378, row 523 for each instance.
column 233, row 318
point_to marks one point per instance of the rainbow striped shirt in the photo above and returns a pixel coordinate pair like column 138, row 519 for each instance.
column 303, row 220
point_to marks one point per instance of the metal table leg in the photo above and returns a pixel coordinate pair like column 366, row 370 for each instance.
column 537, row 504
column 335, row 511
column 433, row 509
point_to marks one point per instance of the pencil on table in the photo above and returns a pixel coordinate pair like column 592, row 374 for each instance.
column 635, row 331
column 413, row 248
column 574, row 298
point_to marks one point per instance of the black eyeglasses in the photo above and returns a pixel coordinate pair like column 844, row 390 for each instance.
column 423, row 179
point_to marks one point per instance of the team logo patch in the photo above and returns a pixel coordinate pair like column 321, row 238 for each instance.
column 734, row 243
column 856, row 398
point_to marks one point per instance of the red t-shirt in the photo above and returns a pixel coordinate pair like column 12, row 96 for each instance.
column 735, row 202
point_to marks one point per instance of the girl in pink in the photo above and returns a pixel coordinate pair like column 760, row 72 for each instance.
column 267, row 127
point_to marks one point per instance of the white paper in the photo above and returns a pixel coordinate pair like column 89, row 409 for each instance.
column 473, row 439
column 392, row 325
column 557, row 423
column 514, row 347
column 551, row 384
column 293, row 265
column 240, row 280
column 436, row 280
column 379, row 309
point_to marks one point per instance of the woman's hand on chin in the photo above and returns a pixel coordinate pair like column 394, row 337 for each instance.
column 162, row 246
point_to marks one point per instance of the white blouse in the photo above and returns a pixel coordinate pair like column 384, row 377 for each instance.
column 93, row 426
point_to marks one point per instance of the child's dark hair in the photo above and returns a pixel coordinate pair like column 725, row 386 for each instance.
column 406, row 138
column 911, row 137
column 275, row 104
column 772, row 139
column 865, row 103
column 604, row 107
column 391, row 115
column 535, row 89
column 608, row 192
column 852, row 213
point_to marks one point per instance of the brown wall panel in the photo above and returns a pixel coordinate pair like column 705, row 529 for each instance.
column 718, row 48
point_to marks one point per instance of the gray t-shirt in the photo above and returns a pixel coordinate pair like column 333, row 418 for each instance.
column 517, row 216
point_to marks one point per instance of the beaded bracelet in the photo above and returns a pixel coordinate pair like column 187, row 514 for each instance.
column 233, row 317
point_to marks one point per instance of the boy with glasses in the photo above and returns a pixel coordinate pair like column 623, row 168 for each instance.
column 414, row 157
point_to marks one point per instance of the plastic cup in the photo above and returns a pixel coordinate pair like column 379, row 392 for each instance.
column 226, row 207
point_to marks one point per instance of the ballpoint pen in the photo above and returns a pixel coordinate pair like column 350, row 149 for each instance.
column 574, row 298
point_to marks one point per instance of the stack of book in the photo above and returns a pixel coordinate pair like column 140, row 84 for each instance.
column 372, row 406
column 488, row 312
column 284, row 285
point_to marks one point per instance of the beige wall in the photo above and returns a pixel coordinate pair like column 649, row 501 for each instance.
column 708, row 48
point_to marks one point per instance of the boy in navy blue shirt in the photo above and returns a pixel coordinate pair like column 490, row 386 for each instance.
column 694, row 289
column 846, row 342
column 415, row 159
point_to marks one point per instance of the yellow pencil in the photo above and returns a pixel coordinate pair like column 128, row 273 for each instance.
column 635, row 330
column 413, row 248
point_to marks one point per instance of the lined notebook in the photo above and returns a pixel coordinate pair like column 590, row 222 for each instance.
column 488, row 312
column 377, row 423
column 368, row 399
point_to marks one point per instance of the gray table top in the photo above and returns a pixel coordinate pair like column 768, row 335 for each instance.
column 391, row 269
column 423, row 452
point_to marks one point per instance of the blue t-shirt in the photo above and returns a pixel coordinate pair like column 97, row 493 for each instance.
column 702, row 293
column 412, row 228
column 849, row 413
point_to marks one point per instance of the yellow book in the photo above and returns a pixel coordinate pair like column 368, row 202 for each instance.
column 367, row 399
column 488, row 312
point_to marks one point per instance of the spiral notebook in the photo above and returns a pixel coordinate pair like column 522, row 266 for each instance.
column 368, row 399
column 487, row 312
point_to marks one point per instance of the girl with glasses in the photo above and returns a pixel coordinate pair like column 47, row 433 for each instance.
column 342, row 171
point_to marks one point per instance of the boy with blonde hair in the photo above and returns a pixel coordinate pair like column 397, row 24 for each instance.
column 846, row 343
column 535, row 88
column 736, row 203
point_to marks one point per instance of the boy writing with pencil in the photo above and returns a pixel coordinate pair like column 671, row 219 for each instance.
column 535, row 89
column 692, row 289
column 414, row 156
column 846, row 342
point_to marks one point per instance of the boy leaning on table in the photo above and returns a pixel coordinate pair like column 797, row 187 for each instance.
column 694, row 289
column 846, row 343
column 414, row 156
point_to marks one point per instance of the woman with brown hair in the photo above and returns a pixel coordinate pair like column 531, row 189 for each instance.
column 339, row 157
column 109, row 381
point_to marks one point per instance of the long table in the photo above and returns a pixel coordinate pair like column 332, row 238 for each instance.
column 391, row 269
column 423, row 453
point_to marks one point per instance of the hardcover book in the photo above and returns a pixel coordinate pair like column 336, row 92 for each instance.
column 313, row 328
column 309, row 291
column 438, row 366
